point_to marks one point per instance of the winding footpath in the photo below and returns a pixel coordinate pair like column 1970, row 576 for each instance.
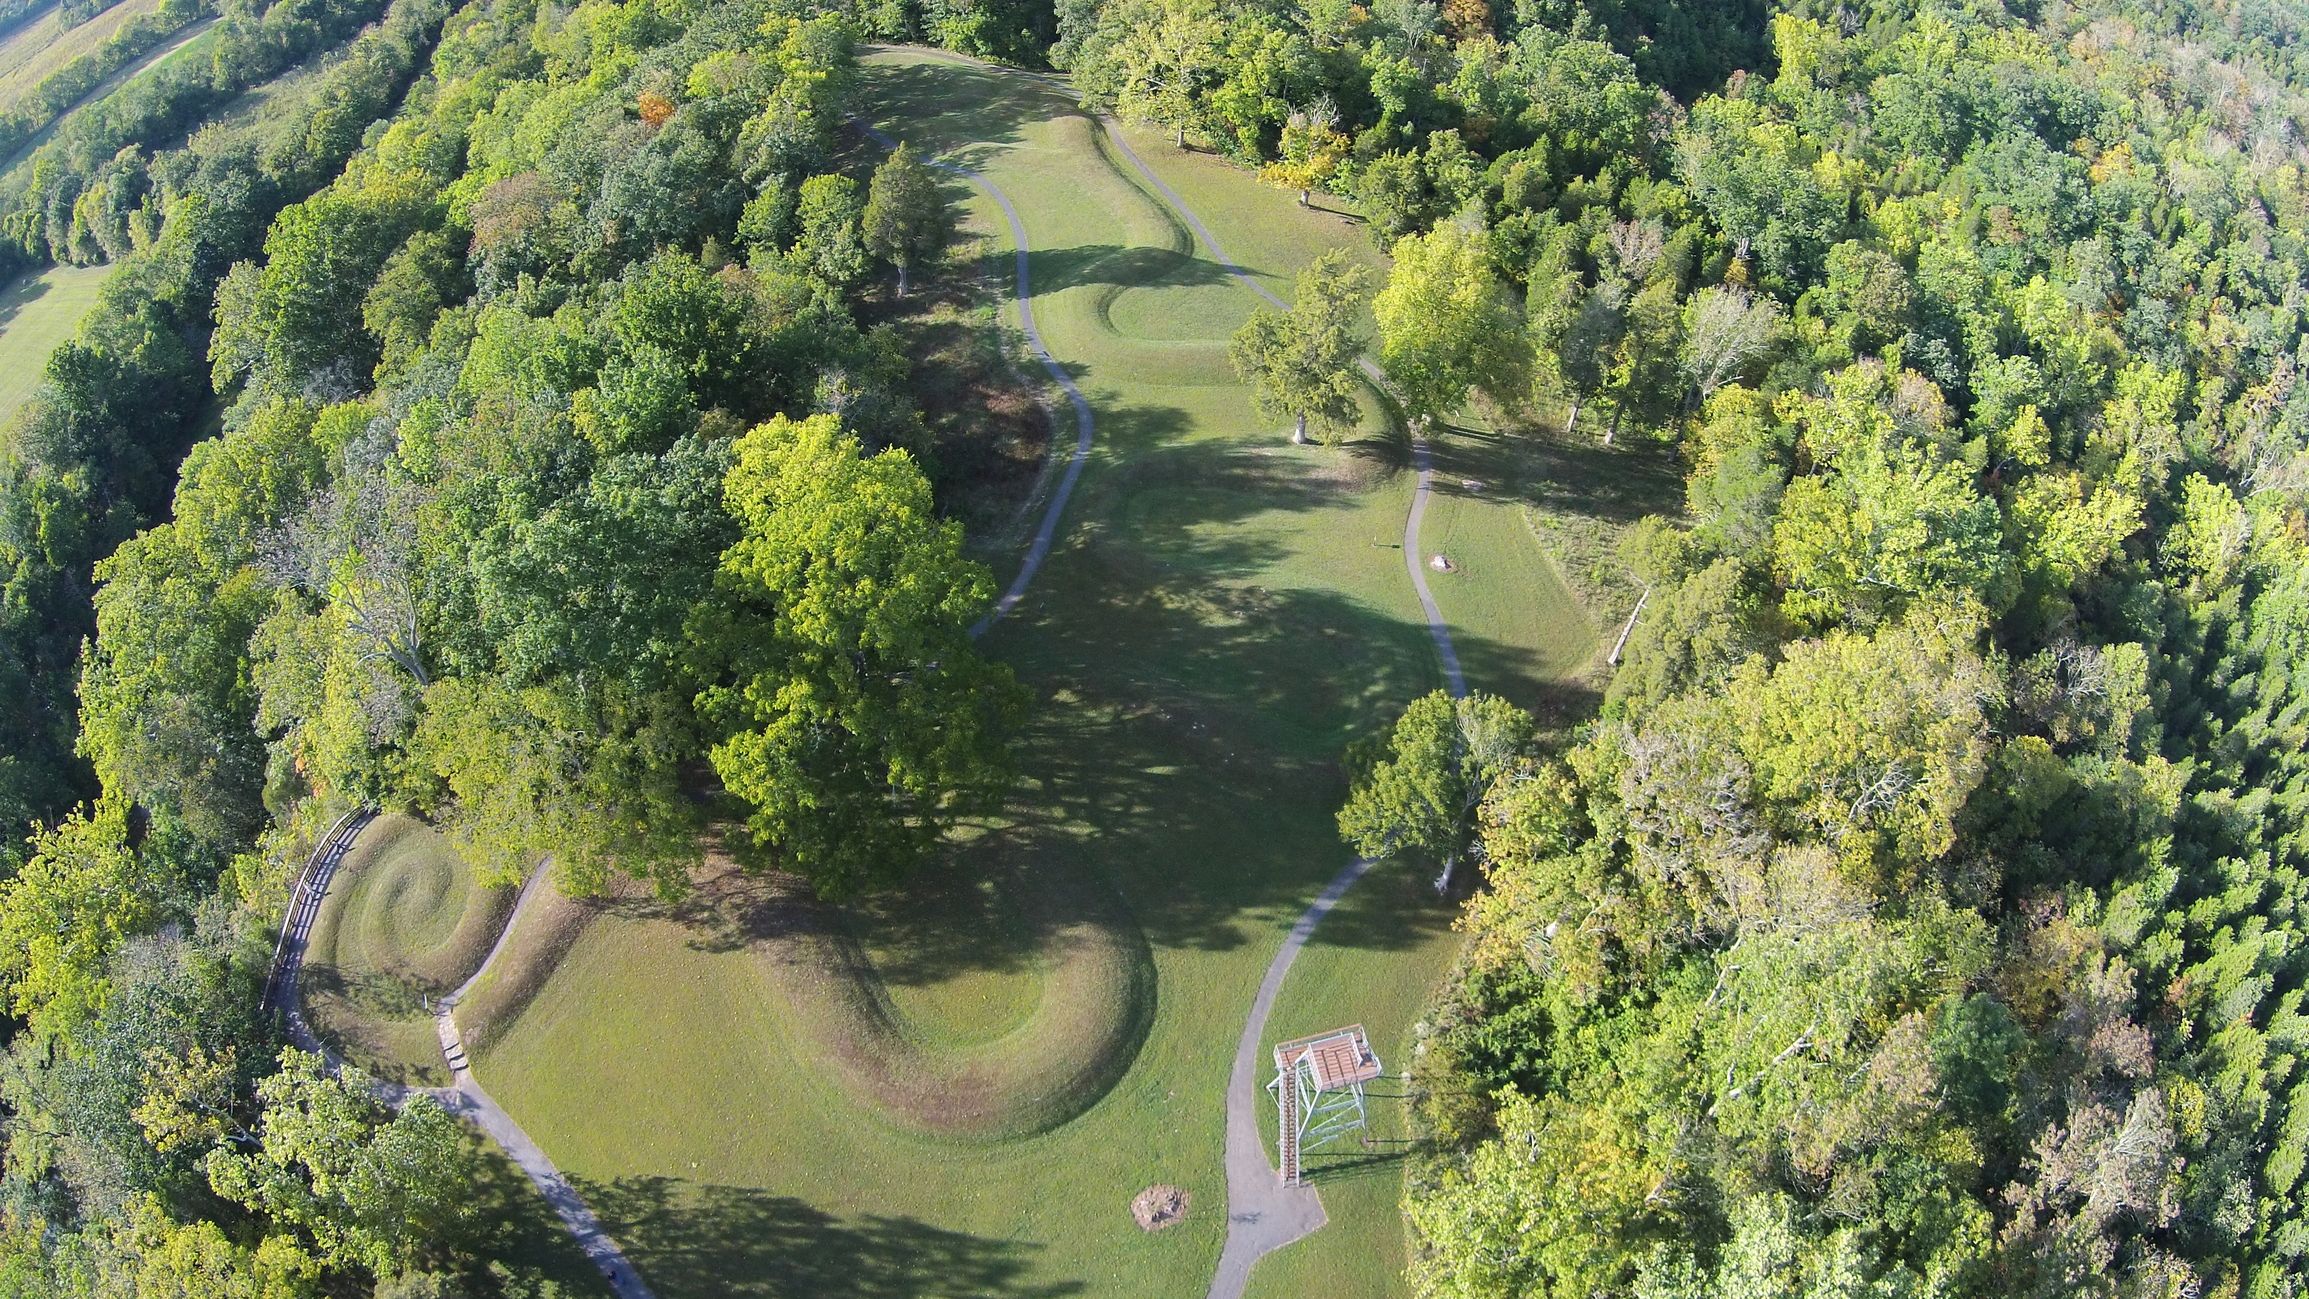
column 1263, row 1215
column 1420, row 459
column 464, row 1096
column 1023, row 293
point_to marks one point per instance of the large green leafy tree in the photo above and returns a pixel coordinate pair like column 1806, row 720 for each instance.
column 1300, row 363
column 64, row 915
column 906, row 220
column 1442, row 757
column 1445, row 326
column 1157, row 61
column 367, row 1186
column 860, row 722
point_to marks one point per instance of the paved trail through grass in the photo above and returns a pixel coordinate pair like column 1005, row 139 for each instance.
column 1420, row 459
column 1083, row 420
column 466, row 1098
column 1263, row 1215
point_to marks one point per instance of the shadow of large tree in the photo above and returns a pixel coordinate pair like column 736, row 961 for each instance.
column 695, row 1238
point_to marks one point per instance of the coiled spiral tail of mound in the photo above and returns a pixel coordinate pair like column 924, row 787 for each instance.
column 464, row 1096
column 400, row 922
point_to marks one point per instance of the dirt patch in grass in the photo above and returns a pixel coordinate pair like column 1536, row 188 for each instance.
column 1158, row 1207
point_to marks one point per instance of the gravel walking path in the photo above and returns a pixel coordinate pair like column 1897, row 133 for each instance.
column 1023, row 293
column 466, row 1097
column 1262, row 1214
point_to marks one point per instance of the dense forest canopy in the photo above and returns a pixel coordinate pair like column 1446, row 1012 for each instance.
column 1922, row 913
column 480, row 422
column 480, row 427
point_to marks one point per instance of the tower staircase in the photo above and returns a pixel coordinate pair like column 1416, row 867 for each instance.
column 1287, row 1124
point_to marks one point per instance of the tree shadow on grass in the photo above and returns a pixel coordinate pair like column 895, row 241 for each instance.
column 14, row 298
column 696, row 1239
column 513, row 1225
column 1203, row 775
column 1137, row 266
column 957, row 112
column 1616, row 485
column 1354, row 1162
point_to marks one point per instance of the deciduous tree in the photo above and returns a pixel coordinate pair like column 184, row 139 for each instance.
column 1440, row 760
column 1301, row 363
column 906, row 219
column 860, row 722
column 1444, row 324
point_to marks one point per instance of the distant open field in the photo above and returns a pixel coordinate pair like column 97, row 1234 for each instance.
column 44, row 47
column 195, row 36
column 36, row 313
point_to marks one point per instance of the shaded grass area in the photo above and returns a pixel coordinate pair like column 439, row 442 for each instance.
column 404, row 922
column 37, row 312
column 988, row 409
column 1220, row 615
column 521, row 1230
column 1530, row 523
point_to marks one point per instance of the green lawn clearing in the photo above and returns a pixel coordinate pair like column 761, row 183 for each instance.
column 959, row 1092
column 404, row 922
column 37, row 312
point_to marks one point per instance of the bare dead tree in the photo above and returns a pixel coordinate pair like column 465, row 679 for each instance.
column 356, row 547
column 1637, row 247
column 1727, row 328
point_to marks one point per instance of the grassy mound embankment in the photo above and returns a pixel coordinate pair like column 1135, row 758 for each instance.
column 1054, row 993
column 1221, row 614
column 404, row 923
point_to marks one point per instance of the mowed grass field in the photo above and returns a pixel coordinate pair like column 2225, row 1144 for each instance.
column 1221, row 614
column 1342, row 978
column 42, row 48
column 37, row 312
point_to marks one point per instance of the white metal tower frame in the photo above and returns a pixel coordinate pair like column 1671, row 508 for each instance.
column 1318, row 1091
